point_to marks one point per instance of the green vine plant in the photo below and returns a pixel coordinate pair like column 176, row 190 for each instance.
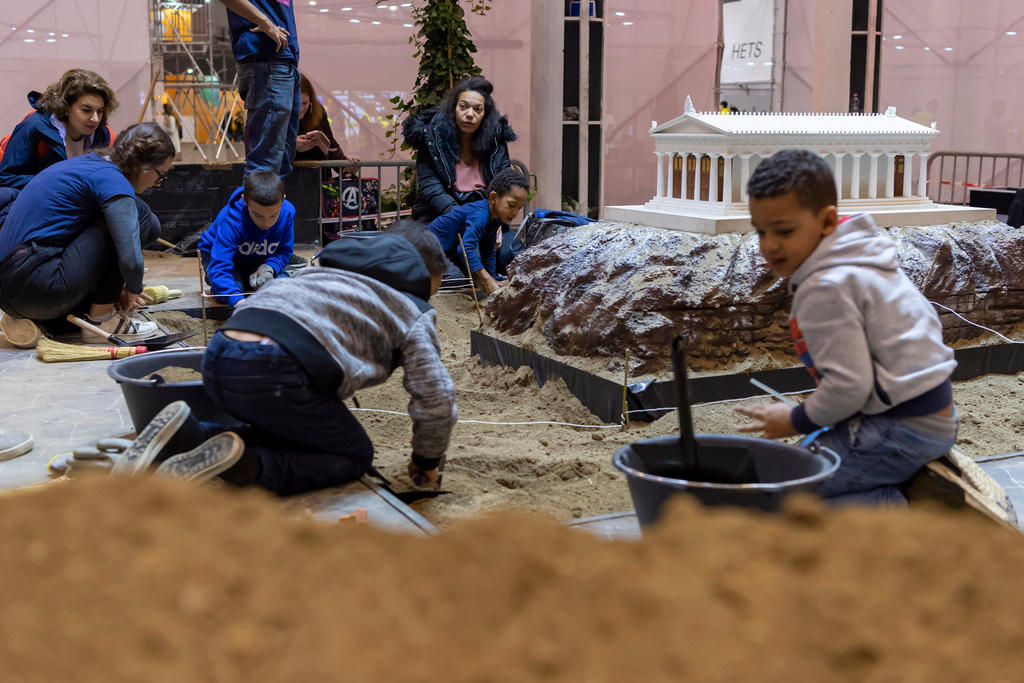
column 445, row 49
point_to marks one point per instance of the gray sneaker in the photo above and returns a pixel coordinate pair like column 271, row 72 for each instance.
column 206, row 460
column 13, row 444
column 153, row 438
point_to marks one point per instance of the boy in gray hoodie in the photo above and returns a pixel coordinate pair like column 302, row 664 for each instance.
column 871, row 341
column 290, row 354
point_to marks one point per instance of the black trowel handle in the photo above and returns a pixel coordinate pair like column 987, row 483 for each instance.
column 687, row 443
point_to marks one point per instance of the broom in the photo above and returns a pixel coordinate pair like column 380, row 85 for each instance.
column 50, row 351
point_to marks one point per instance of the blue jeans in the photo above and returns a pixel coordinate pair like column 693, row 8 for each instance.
column 303, row 437
column 879, row 453
column 272, row 101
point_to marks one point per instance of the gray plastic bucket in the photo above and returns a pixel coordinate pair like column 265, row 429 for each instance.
column 651, row 467
column 146, row 397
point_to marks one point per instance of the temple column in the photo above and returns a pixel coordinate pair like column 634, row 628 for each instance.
column 661, row 174
column 671, row 174
column 727, row 179
column 744, row 175
column 839, row 174
column 713, row 178
column 873, row 176
column 686, row 176
column 922, row 178
column 908, row 175
column 855, row 176
column 890, row 174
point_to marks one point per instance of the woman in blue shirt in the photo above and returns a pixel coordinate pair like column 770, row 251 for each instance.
column 72, row 241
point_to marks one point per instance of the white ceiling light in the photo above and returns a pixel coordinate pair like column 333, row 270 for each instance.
column 948, row 49
column 627, row 23
column 407, row 25
column 324, row 9
column 29, row 30
column 1011, row 33
column 312, row 3
column 375, row 23
column 51, row 40
column 30, row 40
column 899, row 47
column 354, row 21
column 620, row 14
column 897, row 37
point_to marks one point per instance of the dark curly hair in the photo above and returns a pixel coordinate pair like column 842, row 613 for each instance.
column 480, row 143
column 799, row 171
column 506, row 179
column 140, row 147
column 423, row 238
column 59, row 97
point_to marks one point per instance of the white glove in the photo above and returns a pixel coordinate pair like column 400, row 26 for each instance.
column 262, row 276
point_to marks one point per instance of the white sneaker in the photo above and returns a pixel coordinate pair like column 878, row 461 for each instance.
column 20, row 332
column 122, row 326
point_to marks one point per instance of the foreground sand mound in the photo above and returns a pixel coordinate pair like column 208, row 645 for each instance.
column 108, row 580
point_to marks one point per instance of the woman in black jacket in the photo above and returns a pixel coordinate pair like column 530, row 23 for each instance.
column 460, row 146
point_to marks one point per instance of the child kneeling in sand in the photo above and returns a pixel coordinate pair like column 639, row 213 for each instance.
column 480, row 224
column 293, row 351
column 251, row 241
column 871, row 341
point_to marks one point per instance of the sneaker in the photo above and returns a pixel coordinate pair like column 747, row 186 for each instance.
column 152, row 439
column 122, row 326
column 13, row 444
column 206, row 460
column 20, row 332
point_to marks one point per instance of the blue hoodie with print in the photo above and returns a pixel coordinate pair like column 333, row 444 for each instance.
column 234, row 241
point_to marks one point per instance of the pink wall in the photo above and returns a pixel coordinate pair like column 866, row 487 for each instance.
column 973, row 91
column 650, row 66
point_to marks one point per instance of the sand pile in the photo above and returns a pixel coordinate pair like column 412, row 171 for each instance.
column 108, row 579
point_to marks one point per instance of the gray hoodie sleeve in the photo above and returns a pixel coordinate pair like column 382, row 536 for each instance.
column 432, row 403
column 833, row 330
column 122, row 217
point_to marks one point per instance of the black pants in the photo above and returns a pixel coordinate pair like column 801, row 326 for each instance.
column 42, row 282
column 303, row 437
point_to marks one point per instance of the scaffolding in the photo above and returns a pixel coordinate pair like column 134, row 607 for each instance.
column 194, row 85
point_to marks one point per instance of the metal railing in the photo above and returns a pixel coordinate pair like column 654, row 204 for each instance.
column 951, row 175
column 361, row 197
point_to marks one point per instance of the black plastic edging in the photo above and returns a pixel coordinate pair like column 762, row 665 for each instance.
column 603, row 397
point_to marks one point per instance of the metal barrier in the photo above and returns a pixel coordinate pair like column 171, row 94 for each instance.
column 366, row 203
column 951, row 175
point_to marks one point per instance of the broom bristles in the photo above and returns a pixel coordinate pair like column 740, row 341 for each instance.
column 50, row 351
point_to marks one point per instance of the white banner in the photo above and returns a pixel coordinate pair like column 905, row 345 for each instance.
column 748, row 26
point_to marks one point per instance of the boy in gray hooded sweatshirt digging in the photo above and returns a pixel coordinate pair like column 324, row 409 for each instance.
column 871, row 341
column 293, row 351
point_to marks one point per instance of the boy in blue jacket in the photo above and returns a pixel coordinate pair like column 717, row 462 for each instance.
column 252, row 239
column 480, row 223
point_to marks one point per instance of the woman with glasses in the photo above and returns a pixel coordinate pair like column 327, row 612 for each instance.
column 72, row 242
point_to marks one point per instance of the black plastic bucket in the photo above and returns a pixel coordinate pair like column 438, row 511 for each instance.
column 146, row 397
column 652, row 467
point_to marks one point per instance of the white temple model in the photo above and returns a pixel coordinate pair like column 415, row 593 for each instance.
column 873, row 158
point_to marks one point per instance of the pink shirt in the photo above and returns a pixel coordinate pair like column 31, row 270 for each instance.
column 468, row 178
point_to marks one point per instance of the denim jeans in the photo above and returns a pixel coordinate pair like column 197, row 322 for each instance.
column 270, row 90
column 304, row 438
column 879, row 453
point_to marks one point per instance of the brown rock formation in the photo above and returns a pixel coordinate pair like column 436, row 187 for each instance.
column 600, row 289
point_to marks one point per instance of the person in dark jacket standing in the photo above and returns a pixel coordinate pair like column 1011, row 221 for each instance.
column 266, row 47
column 460, row 146
column 70, row 119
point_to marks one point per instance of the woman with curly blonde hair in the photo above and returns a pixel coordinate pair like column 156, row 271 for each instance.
column 69, row 119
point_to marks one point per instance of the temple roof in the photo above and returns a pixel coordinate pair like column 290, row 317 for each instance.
column 694, row 122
